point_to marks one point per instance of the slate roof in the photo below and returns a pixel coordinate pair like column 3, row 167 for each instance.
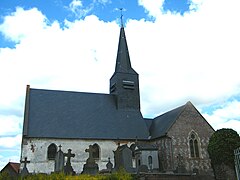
column 123, row 63
column 148, row 122
column 161, row 124
column 151, row 147
column 66, row 114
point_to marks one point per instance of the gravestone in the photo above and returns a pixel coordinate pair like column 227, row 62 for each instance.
column 109, row 165
column 24, row 171
column 68, row 168
column 109, row 169
column 59, row 161
column 123, row 158
column 90, row 167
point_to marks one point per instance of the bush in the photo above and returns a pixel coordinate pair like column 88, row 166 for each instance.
column 221, row 147
column 4, row 176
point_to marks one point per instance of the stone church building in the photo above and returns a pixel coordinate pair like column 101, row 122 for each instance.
column 174, row 142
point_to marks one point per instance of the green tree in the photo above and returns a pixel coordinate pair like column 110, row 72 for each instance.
column 221, row 146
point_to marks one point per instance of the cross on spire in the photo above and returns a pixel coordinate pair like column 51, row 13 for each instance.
column 121, row 9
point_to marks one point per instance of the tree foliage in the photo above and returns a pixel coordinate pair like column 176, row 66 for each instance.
column 221, row 146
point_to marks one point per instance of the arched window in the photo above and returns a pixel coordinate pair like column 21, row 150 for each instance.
column 149, row 160
column 52, row 151
column 96, row 151
column 193, row 143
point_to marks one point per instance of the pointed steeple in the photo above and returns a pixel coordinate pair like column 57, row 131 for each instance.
column 124, row 82
column 123, row 63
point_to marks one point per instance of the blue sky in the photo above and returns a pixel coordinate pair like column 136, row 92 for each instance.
column 183, row 50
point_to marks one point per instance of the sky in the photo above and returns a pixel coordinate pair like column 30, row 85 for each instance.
column 183, row 50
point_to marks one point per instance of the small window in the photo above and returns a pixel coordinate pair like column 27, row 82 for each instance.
column 139, row 162
column 193, row 143
column 149, row 160
column 96, row 151
column 52, row 151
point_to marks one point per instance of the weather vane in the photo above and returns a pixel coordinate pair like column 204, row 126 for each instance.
column 121, row 9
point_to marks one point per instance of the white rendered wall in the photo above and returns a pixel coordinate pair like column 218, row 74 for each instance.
column 35, row 149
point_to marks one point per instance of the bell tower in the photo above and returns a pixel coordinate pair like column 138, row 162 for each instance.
column 124, row 82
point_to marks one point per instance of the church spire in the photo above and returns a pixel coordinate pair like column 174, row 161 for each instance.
column 124, row 83
column 123, row 63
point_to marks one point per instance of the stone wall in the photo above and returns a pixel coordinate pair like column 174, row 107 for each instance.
column 35, row 150
column 165, row 154
column 191, row 121
column 159, row 176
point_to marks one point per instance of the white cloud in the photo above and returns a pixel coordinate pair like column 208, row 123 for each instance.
column 75, row 6
column 153, row 7
column 75, row 3
column 104, row 1
column 23, row 23
column 11, row 142
column 10, row 124
column 226, row 116
column 80, row 10
column 191, row 57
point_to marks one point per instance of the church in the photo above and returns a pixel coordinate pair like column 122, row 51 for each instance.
column 173, row 142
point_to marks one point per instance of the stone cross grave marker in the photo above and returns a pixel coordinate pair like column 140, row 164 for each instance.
column 69, row 155
column 90, row 167
column 68, row 168
column 90, row 150
column 25, row 170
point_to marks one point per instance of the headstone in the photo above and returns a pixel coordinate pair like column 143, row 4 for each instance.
column 68, row 168
column 59, row 161
column 24, row 171
column 109, row 165
column 109, row 169
column 90, row 167
column 123, row 158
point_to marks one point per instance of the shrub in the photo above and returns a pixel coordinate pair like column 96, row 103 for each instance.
column 4, row 176
column 221, row 146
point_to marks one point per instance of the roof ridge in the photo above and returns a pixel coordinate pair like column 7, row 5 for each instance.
column 162, row 123
column 182, row 110
column 66, row 91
